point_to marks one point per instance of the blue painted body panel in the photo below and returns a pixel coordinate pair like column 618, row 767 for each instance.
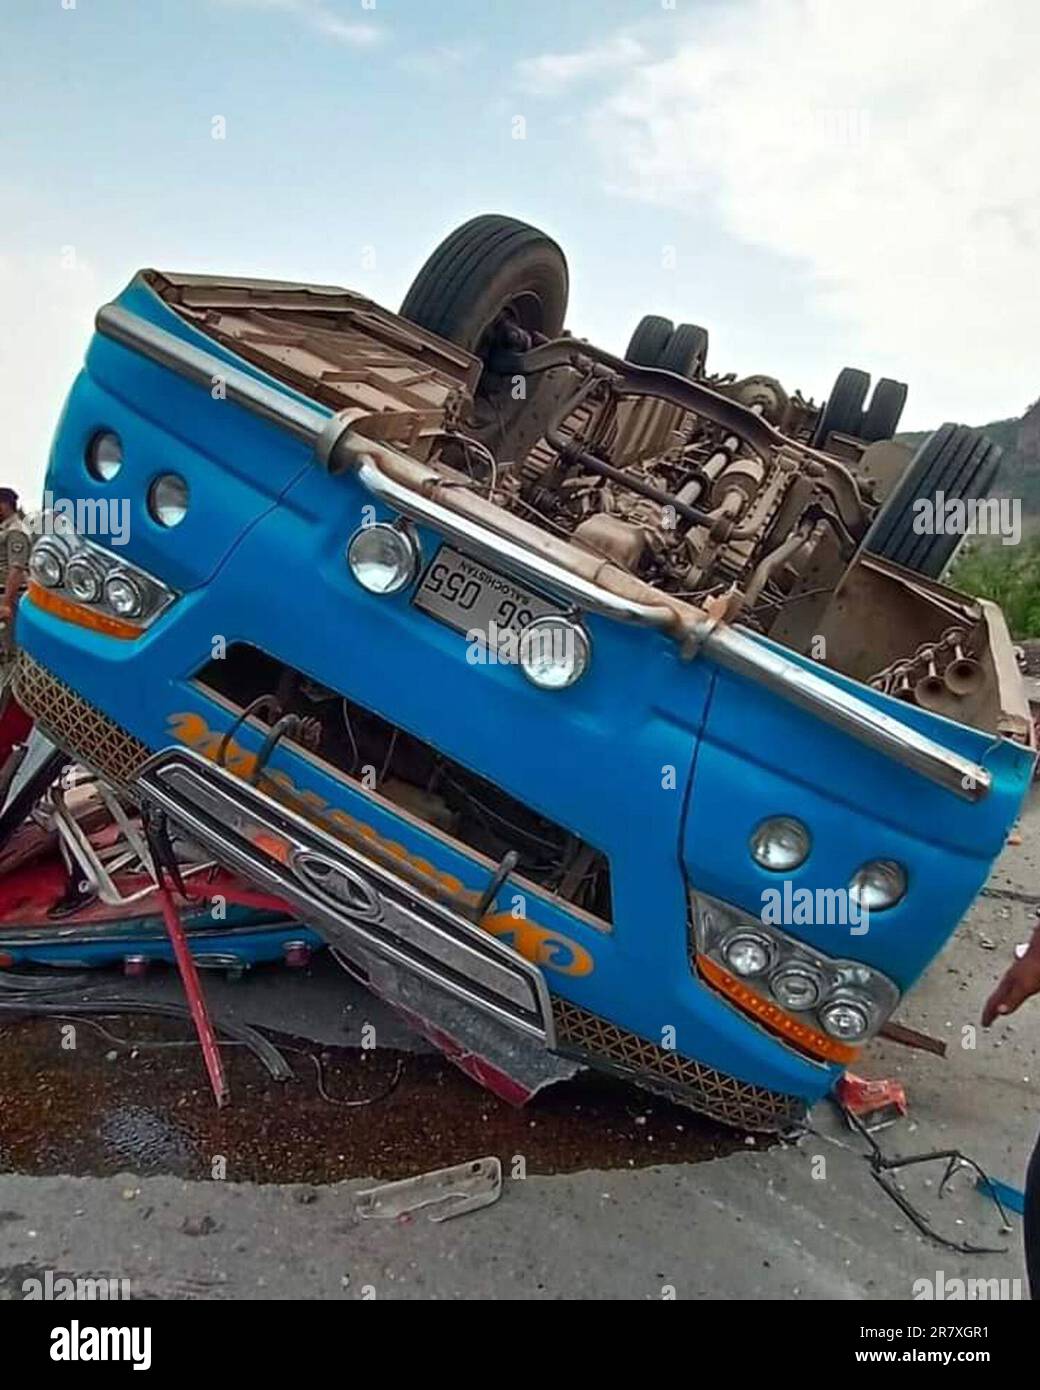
column 250, row 938
column 665, row 766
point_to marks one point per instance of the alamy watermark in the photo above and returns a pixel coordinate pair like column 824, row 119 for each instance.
column 788, row 906
column 973, row 516
column 82, row 1342
column 958, row 1290
column 503, row 646
column 728, row 129
column 87, row 516
column 54, row 1287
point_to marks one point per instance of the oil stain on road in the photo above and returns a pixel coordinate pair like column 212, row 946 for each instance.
column 140, row 1103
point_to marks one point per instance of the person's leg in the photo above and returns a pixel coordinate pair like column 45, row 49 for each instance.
column 1032, row 1222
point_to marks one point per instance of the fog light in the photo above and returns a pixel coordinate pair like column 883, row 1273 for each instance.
column 47, row 562
column 84, row 579
column 383, row 559
column 746, row 955
column 845, row 1019
column 168, row 500
column 796, row 989
column 554, row 653
column 104, row 456
column 879, row 884
column 780, row 844
column 123, row 595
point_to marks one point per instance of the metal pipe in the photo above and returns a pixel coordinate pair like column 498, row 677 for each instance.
column 778, row 556
column 568, row 450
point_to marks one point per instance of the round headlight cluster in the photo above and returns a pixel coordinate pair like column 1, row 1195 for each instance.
column 780, row 844
column 825, row 1000
column 747, row 955
column 879, row 884
column 845, row 1019
column 85, row 579
column 104, row 456
column 123, row 595
column 796, row 988
column 383, row 559
column 168, row 500
column 47, row 561
column 554, row 653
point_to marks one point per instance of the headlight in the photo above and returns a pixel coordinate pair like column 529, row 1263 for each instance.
column 84, row 579
column 123, row 595
column 796, row 988
column 746, row 954
column 104, row 456
column 383, row 559
column 879, row 884
column 168, row 499
column 69, row 566
column 47, row 561
column 554, row 652
column 780, row 844
column 846, row 1019
column 823, row 1005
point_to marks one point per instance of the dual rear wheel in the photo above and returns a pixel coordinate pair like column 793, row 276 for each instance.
column 844, row 412
column 656, row 342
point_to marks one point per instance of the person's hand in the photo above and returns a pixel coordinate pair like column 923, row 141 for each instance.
column 5, row 612
column 1021, row 981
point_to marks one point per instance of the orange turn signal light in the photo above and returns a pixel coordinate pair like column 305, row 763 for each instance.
column 772, row 1016
column 80, row 614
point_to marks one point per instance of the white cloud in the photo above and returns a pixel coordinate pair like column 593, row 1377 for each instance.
column 890, row 148
column 49, row 306
column 320, row 16
column 552, row 73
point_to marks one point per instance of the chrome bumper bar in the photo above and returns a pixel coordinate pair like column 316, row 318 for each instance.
column 730, row 647
column 347, row 897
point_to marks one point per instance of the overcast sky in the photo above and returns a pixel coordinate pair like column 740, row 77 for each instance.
column 819, row 182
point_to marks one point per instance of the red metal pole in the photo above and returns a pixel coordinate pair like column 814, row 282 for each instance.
column 196, row 999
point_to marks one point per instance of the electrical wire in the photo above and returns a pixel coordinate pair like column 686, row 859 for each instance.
column 265, row 1051
column 495, row 815
column 345, row 710
column 389, row 755
column 254, row 707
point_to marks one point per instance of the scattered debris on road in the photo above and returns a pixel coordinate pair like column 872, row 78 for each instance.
column 452, row 1191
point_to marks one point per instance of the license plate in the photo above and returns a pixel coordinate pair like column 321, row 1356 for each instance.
column 472, row 598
